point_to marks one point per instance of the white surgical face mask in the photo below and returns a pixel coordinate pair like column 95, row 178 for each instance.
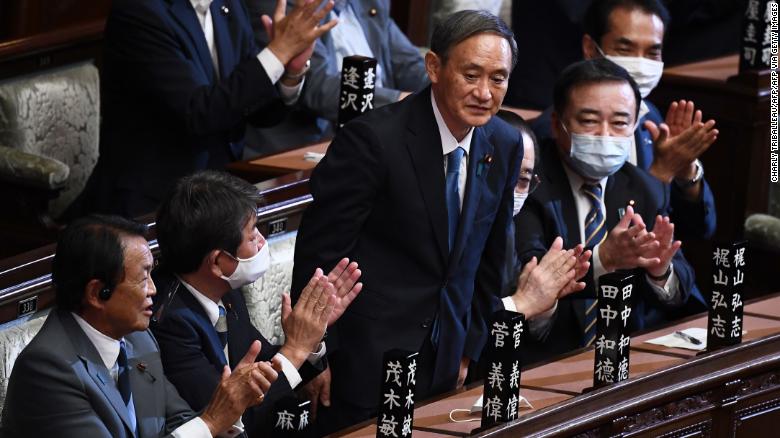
column 646, row 72
column 519, row 201
column 598, row 156
column 249, row 270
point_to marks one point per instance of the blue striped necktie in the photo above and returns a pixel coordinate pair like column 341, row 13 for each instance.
column 453, row 195
column 123, row 383
column 221, row 326
column 595, row 233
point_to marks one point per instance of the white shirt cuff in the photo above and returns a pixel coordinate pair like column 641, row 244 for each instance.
column 271, row 64
column 669, row 293
column 509, row 304
column 317, row 355
column 598, row 268
column 289, row 370
column 196, row 428
column 290, row 94
column 275, row 70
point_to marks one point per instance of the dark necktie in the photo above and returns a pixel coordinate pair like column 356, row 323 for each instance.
column 595, row 233
column 123, row 383
column 453, row 195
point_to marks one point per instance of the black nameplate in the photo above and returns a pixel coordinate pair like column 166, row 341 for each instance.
column 724, row 324
column 27, row 306
column 613, row 342
column 755, row 47
column 278, row 226
column 396, row 401
column 291, row 418
column 358, row 77
column 501, row 388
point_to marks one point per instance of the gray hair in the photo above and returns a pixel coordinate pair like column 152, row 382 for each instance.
column 465, row 24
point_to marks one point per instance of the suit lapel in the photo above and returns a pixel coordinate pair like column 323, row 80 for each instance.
column 203, row 319
column 480, row 146
column 424, row 145
column 563, row 205
column 92, row 362
column 185, row 15
column 615, row 198
column 222, row 39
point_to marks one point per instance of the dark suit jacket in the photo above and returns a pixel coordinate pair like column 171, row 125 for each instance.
column 60, row 387
column 692, row 219
column 379, row 199
column 550, row 212
column 166, row 112
column 192, row 353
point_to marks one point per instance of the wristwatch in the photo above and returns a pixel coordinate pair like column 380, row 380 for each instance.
column 662, row 277
column 302, row 73
column 686, row 183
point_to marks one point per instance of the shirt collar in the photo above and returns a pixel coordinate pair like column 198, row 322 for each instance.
column 448, row 141
column 211, row 308
column 201, row 6
column 643, row 110
column 576, row 181
column 106, row 346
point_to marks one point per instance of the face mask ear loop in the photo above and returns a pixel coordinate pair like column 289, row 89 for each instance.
column 462, row 421
column 598, row 47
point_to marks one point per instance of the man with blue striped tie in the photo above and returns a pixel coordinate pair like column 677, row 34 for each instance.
column 591, row 195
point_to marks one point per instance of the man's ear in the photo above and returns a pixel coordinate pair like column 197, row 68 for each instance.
column 212, row 263
column 432, row 66
column 91, row 297
column 589, row 50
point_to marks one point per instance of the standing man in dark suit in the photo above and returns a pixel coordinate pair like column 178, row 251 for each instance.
column 631, row 34
column 211, row 247
column 181, row 80
column 94, row 369
column 421, row 192
column 591, row 195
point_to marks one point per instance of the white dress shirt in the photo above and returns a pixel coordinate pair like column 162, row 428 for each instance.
column 270, row 63
column 108, row 349
column 449, row 144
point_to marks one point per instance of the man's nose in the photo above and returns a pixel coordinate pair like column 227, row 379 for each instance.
column 482, row 90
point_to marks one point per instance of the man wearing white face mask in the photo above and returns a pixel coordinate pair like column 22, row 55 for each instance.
column 630, row 33
column 591, row 194
column 210, row 248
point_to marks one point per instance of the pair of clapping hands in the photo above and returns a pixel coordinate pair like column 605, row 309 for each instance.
column 321, row 303
column 628, row 246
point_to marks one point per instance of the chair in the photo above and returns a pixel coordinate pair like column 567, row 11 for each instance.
column 49, row 133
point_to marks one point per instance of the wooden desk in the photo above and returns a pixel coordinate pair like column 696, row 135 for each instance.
column 671, row 391
column 271, row 166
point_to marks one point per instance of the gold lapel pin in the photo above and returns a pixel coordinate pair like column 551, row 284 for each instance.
column 372, row 12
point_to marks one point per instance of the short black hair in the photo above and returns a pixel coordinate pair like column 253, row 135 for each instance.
column 519, row 123
column 590, row 72
column 205, row 211
column 464, row 24
column 91, row 248
column 596, row 20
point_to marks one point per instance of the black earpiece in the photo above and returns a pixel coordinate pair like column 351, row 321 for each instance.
column 104, row 294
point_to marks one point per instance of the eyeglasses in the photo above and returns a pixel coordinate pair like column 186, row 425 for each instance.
column 528, row 182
